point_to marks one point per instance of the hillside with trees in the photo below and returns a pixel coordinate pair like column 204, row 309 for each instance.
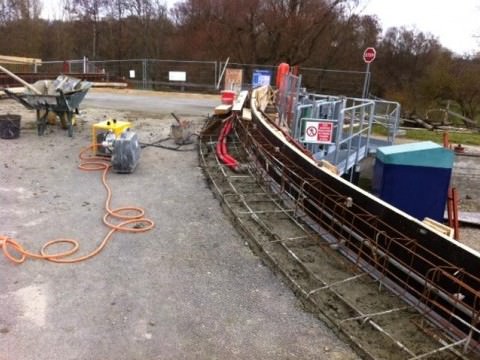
column 411, row 67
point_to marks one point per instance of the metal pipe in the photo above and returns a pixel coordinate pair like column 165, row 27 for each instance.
column 436, row 351
column 366, row 81
column 222, row 73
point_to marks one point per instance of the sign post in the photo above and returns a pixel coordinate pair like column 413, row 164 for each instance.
column 368, row 56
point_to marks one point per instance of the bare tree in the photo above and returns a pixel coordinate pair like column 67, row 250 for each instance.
column 258, row 31
column 11, row 10
column 90, row 11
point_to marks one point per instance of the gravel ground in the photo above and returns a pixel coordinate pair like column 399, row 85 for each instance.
column 188, row 289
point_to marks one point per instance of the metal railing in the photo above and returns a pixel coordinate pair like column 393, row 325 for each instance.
column 387, row 115
column 349, row 119
column 353, row 136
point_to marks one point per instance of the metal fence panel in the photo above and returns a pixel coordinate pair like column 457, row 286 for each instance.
column 202, row 75
column 334, row 82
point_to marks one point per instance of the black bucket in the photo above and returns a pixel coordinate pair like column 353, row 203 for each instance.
column 9, row 126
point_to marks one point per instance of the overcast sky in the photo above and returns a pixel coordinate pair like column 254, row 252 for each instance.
column 454, row 23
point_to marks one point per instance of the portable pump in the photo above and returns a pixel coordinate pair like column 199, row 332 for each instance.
column 115, row 139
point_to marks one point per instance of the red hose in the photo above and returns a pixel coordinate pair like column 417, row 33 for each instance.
column 222, row 148
column 226, row 155
column 219, row 147
column 223, row 151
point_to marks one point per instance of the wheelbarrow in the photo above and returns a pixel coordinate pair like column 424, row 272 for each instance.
column 61, row 97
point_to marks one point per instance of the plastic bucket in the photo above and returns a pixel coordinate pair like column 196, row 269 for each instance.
column 227, row 96
column 9, row 126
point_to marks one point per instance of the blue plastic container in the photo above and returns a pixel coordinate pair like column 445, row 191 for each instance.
column 414, row 178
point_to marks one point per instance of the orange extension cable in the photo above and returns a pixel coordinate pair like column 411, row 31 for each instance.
column 124, row 214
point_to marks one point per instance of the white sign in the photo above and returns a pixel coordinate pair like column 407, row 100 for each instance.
column 132, row 74
column 318, row 132
column 177, row 76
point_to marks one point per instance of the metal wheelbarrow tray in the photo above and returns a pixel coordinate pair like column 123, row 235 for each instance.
column 61, row 96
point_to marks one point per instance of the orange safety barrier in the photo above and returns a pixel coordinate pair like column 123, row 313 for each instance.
column 282, row 70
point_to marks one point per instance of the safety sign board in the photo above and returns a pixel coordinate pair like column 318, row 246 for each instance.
column 318, row 132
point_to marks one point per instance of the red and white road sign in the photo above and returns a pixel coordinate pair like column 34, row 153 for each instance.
column 369, row 55
column 318, row 132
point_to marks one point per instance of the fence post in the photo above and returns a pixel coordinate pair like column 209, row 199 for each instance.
column 144, row 74
column 216, row 74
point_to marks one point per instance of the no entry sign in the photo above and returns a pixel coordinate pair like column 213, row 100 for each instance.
column 318, row 132
column 369, row 55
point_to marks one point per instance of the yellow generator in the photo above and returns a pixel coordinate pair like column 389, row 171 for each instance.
column 115, row 139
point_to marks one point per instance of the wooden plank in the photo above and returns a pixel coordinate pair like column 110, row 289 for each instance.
column 240, row 101
column 438, row 227
column 15, row 90
column 246, row 114
column 116, row 85
column 4, row 59
column 20, row 80
column 223, row 109
column 326, row 165
column 263, row 97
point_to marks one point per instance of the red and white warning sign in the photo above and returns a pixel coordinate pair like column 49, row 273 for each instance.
column 319, row 132
column 369, row 55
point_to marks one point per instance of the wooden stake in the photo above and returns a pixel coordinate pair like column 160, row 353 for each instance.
column 20, row 80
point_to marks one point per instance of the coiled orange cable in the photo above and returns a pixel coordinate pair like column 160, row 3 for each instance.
column 134, row 223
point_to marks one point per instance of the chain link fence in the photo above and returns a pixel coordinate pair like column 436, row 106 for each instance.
column 203, row 76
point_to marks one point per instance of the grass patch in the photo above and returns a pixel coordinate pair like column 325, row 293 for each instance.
column 379, row 130
column 435, row 136
column 454, row 138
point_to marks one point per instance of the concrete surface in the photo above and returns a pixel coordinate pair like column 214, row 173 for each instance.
column 151, row 102
column 189, row 289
